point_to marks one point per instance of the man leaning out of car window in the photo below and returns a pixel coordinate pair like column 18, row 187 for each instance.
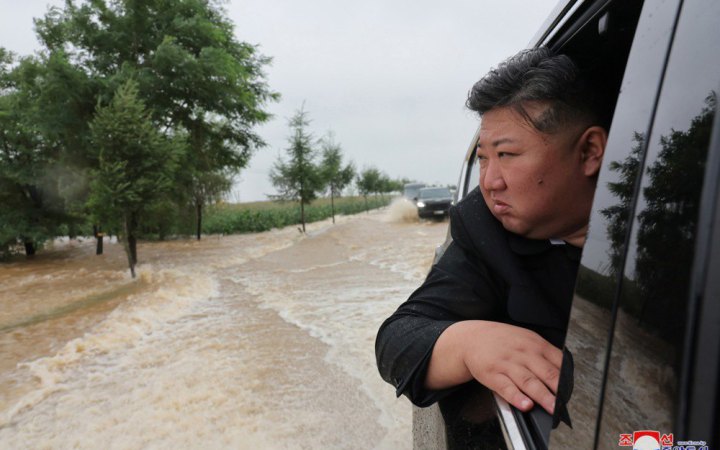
column 495, row 307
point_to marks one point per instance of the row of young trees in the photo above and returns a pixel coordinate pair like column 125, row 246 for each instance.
column 373, row 181
column 131, row 115
column 302, row 177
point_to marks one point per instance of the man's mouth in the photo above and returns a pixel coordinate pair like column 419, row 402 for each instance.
column 500, row 207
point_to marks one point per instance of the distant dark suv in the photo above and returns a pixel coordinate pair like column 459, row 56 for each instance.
column 434, row 202
column 644, row 329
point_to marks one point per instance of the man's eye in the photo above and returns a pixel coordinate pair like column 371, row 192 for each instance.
column 502, row 154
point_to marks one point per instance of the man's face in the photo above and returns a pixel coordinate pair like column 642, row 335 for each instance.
column 536, row 184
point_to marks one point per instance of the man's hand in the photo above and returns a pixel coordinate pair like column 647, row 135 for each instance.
column 518, row 364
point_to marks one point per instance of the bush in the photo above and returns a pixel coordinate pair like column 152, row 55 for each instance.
column 263, row 216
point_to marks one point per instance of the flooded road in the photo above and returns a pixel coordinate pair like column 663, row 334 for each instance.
column 245, row 341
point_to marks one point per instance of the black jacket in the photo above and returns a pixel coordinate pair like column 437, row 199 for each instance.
column 486, row 273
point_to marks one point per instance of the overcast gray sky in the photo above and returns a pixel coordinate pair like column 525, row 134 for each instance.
column 388, row 77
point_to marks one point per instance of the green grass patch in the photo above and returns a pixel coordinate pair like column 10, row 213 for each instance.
column 228, row 218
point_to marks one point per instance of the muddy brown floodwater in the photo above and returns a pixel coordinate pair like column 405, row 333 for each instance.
column 247, row 341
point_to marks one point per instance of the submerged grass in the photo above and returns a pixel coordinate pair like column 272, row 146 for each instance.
column 252, row 217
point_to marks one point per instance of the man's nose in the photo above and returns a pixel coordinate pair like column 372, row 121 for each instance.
column 491, row 178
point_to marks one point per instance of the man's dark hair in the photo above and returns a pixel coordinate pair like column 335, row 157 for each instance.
column 539, row 75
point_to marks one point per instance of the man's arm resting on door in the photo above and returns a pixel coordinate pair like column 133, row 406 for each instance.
column 515, row 362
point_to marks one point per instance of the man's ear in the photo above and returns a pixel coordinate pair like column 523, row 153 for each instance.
column 592, row 148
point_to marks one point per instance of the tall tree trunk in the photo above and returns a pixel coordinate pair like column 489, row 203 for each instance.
column 130, row 242
column 302, row 215
column 332, row 204
column 367, row 210
column 99, row 237
column 29, row 248
column 198, row 213
column 72, row 232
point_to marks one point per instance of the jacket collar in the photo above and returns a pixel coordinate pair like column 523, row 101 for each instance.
column 524, row 246
column 473, row 226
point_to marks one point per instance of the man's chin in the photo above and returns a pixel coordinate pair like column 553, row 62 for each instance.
column 521, row 229
column 513, row 226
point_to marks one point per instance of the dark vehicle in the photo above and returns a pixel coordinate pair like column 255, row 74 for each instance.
column 410, row 191
column 434, row 202
column 644, row 329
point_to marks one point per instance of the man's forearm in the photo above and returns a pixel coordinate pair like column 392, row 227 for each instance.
column 447, row 366
column 515, row 362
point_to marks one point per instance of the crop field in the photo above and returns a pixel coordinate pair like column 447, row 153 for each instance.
column 228, row 218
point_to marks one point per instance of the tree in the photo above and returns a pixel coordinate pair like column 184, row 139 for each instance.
column 618, row 214
column 669, row 216
column 333, row 173
column 396, row 185
column 196, row 79
column 368, row 181
column 387, row 185
column 32, row 209
column 300, row 178
column 666, row 216
column 135, row 166
column 208, row 187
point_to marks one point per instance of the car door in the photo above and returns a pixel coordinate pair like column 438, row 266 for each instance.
column 651, row 202
column 592, row 316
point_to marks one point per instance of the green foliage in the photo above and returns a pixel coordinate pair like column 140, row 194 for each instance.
column 263, row 216
column 32, row 183
column 389, row 185
column 204, row 93
column 334, row 174
column 300, row 178
column 197, row 80
column 190, row 69
column 135, row 165
column 369, row 181
column 372, row 181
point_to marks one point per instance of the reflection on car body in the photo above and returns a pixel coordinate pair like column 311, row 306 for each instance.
column 643, row 327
